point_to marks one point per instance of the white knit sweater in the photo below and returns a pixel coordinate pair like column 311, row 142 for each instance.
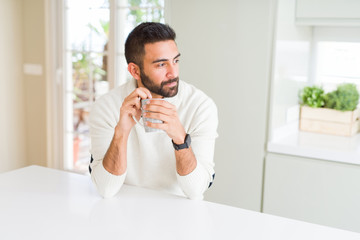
column 150, row 156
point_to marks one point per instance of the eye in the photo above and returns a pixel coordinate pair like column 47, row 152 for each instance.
column 176, row 60
column 162, row 64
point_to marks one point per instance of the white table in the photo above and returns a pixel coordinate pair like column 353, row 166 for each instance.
column 42, row 203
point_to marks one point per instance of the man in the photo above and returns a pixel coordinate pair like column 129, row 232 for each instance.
column 180, row 158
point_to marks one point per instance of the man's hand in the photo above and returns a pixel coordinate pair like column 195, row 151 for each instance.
column 115, row 159
column 131, row 107
column 166, row 112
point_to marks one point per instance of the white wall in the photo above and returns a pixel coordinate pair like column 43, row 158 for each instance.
column 12, row 109
column 35, row 85
column 225, row 47
column 22, row 96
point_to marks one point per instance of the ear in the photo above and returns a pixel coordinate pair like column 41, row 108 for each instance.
column 134, row 70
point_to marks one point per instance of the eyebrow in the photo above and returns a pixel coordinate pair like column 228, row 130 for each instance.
column 164, row 59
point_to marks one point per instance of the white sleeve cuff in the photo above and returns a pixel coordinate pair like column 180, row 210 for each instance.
column 106, row 183
column 195, row 183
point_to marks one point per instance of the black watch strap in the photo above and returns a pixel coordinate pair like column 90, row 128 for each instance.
column 186, row 143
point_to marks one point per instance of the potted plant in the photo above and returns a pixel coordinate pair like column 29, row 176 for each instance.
column 333, row 113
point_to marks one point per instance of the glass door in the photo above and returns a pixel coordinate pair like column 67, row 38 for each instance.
column 95, row 33
column 87, row 37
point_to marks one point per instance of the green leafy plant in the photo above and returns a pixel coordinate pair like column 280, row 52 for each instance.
column 313, row 96
column 344, row 98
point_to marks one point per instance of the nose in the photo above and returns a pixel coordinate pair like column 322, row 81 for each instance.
column 172, row 71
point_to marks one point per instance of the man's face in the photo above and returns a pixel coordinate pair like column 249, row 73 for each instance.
column 160, row 71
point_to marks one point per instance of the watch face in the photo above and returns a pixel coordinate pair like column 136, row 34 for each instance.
column 186, row 144
column 187, row 140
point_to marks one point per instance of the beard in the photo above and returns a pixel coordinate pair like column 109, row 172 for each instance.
column 161, row 89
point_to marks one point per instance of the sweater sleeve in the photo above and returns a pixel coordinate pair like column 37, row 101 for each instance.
column 203, row 132
column 102, row 124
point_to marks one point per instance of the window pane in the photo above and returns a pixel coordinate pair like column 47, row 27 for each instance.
column 87, row 69
column 155, row 15
column 99, row 61
column 136, row 16
column 338, row 62
column 77, row 30
column 81, row 118
column 88, row 29
column 81, row 77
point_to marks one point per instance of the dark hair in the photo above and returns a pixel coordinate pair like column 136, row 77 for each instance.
column 147, row 32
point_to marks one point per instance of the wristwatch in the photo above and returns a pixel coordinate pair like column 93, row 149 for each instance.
column 186, row 143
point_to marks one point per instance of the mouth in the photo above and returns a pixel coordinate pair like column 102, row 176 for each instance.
column 172, row 84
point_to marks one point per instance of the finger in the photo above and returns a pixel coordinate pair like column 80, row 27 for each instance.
column 135, row 97
column 158, row 116
column 162, row 103
column 138, row 103
column 142, row 93
column 147, row 91
column 162, row 126
column 159, row 109
column 132, row 102
column 129, row 111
